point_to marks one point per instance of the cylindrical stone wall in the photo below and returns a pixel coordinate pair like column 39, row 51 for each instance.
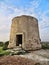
column 28, row 27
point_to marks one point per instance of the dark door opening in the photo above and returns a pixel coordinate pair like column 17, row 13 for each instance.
column 18, row 40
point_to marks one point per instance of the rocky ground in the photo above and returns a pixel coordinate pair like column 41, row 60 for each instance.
column 39, row 57
column 15, row 60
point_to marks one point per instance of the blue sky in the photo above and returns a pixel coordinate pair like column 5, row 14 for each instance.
column 13, row 8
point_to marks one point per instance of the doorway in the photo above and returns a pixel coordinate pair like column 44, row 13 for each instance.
column 19, row 40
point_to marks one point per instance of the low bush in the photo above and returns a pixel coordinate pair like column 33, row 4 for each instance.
column 1, row 44
column 3, row 52
column 45, row 45
column 5, row 47
column 1, row 49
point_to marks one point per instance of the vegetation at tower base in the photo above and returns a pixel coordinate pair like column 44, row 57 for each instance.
column 45, row 45
column 3, row 48
column 1, row 44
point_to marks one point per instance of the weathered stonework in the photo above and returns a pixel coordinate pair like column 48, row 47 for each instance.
column 27, row 27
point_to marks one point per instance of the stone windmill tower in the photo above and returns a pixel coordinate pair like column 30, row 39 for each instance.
column 24, row 32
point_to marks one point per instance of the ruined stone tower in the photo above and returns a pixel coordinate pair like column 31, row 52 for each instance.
column 24, row 32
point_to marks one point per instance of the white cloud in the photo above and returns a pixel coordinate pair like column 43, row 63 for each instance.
column 35, row 3
column 44, row 27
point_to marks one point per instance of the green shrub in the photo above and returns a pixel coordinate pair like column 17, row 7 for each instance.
column 45, row 45
column 5, row 47
column 1, row 49
column 1, row 44
column 3, row 53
